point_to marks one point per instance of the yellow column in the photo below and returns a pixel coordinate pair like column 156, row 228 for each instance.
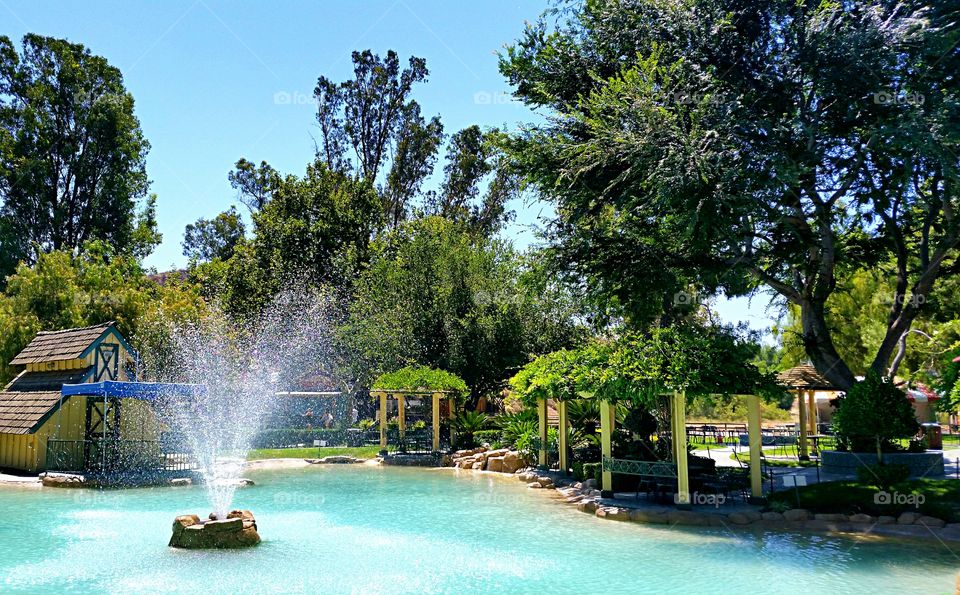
column 451, row 414
column 383, row 422
column 562, row 412
column 606, row 445
column 436, row 422
column 753, row 431
column 802, row 406
column 679, row 418
column 542, row 418
column 812, row 411
column 402, row 412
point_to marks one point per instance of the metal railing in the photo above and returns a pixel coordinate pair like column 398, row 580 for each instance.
column 113, row 456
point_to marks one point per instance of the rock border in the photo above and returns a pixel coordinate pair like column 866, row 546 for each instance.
column 586, row 497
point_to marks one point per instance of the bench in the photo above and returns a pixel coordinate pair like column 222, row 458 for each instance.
column 648, row 471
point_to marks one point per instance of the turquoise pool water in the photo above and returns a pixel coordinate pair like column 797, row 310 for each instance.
column 389, row 530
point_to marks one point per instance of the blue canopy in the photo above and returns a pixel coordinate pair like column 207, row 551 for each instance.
column 146, row 391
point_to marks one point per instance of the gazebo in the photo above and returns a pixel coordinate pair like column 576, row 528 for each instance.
column 804, row 381
column 401, row 396
column 678, row 424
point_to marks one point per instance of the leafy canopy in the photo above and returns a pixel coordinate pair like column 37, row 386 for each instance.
column 873, row 413
column 742, row 145
column 72, row 154
column 694, row 359
column 420, row 378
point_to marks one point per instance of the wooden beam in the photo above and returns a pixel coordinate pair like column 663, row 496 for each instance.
column 436, row 422
column 606, row 445
column 802, row 406
column 383, row 423
column 562, row 412
column 542, row 431
column 754, row 433
column 679, row 419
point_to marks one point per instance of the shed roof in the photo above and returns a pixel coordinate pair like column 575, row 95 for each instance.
column 32, row 397
column 51, row 346
column 804, row 377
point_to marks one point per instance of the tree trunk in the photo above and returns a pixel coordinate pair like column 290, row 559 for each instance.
column 819, row 346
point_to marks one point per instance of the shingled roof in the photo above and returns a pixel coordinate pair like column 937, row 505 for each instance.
column 52, row 346
column 31, row 397
column 804, row 377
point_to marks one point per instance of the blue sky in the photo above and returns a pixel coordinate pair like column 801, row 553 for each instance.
column 215, row 81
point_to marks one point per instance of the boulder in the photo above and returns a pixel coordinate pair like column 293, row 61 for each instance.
column 687, row 517
column 796, row 514
column 929, row 521
column 886, row 520
column 181, row 481
column 544, row 481
column 862, row 518
column 590, row 484
column 338, row 460
column 511, row 462
column 588, row 506
column 772, row 517
column 495, row 464
column 62, row 480
column 908, row 518
column 739, row 518
column 831, row 517
column 649, row 516
column 238, row 530
column 527, row 477
column 613, row 513
column 534, row 485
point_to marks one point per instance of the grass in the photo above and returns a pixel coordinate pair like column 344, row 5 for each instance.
column 934, row 497
column 313, row 452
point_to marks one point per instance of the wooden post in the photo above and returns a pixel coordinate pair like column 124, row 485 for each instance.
column 451, row 414
column 402, row 412
column 562, row 412
column 812, row 413
column 802, row 406
column 436, row 422
column 542, row 427
column 383, row 423
column 753, row 431
column 606, row 446
column 679, row 418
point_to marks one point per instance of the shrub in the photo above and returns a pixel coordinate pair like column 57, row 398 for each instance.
column 883, row 476
column 469, row 423
column 872, row 414
column 492, row 437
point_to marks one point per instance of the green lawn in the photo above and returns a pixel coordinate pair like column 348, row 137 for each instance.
column 940, row 498
column 313, row 452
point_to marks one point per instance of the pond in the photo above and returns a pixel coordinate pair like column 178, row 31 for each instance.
column 362, row 529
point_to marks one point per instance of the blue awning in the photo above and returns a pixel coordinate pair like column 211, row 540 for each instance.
column 146, row 391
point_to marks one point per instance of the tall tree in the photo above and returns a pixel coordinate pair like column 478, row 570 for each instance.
column 72, row 154
column 738, row 145
column 207, row 239
column 413, row 160
column 471, row 157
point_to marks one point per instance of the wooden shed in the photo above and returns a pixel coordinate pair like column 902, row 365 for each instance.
column 34, row 416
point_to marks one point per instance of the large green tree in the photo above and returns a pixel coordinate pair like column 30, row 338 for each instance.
column 436, row 294
column 314, row 230
column 739, row 145
column 63, row 290
column 207, row 239
column 72, row 154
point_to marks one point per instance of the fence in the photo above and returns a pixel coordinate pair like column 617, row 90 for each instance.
column 113, row 456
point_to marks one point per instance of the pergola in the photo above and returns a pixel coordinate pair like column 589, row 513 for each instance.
column 678, row 423
column 804, row 381
column 401, row 397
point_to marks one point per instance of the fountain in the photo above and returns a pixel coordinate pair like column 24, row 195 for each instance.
column 241, row 367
